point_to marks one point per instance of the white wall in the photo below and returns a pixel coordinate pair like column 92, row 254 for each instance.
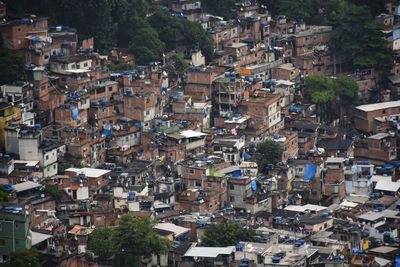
column 50, row 170
column 49, row 157
column 82, row 193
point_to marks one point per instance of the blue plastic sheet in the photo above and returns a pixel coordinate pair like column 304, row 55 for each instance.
column 75, row 112
column 310, row 171
column 253, row 185
column 107, row 130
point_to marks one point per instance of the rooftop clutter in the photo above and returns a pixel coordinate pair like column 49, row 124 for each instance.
column 267, row 154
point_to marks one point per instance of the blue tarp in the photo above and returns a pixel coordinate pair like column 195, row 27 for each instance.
column 107, row 130
column 75, row 112
column 253, row 185
column 237, row 174
column 396, row 34
column 388, row 165
column 310, row 171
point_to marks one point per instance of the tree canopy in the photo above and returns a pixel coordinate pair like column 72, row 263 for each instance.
column 53, row 191
column 226, row 234
column 347, row 89
column 122, row 66
column 25, row 258
column 331, row 94
column 101, row 242
column 221, row 8
column 175, row 31
column 319, row 88
column 270, row 153
column 357, row 40
column 12, row 66
column 123, row 23
column 131, row 240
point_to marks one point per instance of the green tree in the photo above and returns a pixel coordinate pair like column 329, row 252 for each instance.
column 221, row 8
column 122, row 67
column 146, row 46
column 169, row 28
column 134, row 238
column 271, row 153
column 12, row 66
column 375, row 7
column 176, row 65
column 4, row 197
column 53, row 191
column 319, row 88
column 226, row 234
column 346, row 89
column 195, row 35
column 26, row 258
column 311, row 11
column 102, row 243
column 176, row 31
column 320, row 91
column 357, row 40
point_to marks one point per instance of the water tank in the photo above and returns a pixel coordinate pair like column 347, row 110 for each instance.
column 276, row 259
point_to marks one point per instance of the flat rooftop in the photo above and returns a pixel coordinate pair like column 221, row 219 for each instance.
column 379, row 106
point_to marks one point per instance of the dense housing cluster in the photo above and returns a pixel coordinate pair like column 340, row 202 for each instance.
column 249, row 138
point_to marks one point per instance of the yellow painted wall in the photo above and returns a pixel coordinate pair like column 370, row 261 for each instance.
column 11, row 114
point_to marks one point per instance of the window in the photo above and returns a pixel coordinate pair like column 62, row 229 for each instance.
column 147, row 112
column 47, row 157
column 209, row 185
column 54, row 166
column 231, row 186
column 383, row 111
column 191, row 171
column 232, row 199
column 110, row 88
column 2, row 242
column 85, row 64
column 198, row 183
column 43, row 87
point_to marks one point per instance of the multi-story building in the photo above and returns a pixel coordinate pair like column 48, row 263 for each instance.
column 333, row 180
column 15, row 232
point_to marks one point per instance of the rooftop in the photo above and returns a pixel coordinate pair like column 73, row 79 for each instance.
column 379, row 136
column 26, row 186
column 209, row 252
column 89, row 172
column 387, row 186
column 379, row 106
column 172, row 228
